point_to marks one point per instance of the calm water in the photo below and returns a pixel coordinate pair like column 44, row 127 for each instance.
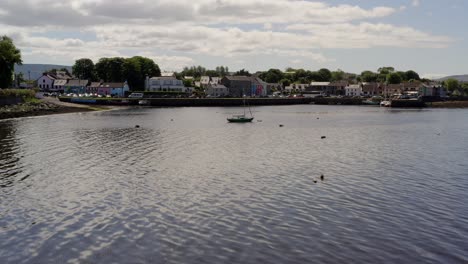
column 92, row 188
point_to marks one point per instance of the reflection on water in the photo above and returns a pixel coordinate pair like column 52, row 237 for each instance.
column 187, row 187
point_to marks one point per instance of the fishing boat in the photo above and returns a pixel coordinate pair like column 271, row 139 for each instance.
column 241, row 118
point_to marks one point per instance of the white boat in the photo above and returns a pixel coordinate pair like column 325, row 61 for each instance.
column 386, row 103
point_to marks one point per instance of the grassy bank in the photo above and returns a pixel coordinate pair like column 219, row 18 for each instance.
column 449, row 104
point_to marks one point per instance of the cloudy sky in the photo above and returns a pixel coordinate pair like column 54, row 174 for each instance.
column 428, row 36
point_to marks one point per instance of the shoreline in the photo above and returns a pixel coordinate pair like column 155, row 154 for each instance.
column 52, row 106
column 46, row 106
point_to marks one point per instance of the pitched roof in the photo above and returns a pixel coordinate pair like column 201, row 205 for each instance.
column 164, row 78
column 95, row 84
column 60, row 82
column 238, row 78
column 112, row 85
column 77, row 82
column 319, row 83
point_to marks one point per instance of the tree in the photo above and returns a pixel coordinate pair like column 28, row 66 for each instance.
column 242, row 72
column 132, row 73
column 451, row 84
column 285, row 82
column 337, row 75
column 272, row 76
column 325, row 75
column 385, row 70
column 188, row 83
column 368, row 76
column 110, row 69
column 299, row 74
column 84, row 69
column 412, row 75
column 393, row 78
column 9, row 56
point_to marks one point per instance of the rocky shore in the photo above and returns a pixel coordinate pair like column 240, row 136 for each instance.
column 42, row 107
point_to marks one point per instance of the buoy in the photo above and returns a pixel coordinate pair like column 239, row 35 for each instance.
column 281, row 125
column 324, row 137
column 318, row 118
column 315, row 181
column 322, row 177
column 137, row 126
column 172, row 119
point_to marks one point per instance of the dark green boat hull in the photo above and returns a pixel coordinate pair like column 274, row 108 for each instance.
column 240, row 120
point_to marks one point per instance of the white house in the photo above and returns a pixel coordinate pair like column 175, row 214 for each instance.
column 353, row 90
column 216, row 90
column 46, row 82
column 215, row 80
column 204, row 81
column 297, row 87
column 165, row 84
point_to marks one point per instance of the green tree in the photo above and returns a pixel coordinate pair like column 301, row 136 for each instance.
column 451, row 84
column 325, row 75
column 285, row 82
column 369, row 76
column 299, row 74
column 337, row 75
column 272, row 76
column 385, row 70
column 9, row 56
column 133, row 74
column 212, row 73
column 412, row 75
column 242, row 72
column 394, row 78
column 110, row 69
column 84, row 69
column 188, row 82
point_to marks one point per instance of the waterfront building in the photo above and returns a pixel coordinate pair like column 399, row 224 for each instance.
column 93, row 87
column 432, row 89
column 215, row 80
column 297, row 88
column 328, row 88
column 238, row 85
column 353, row 90
column 371, row 88
column 216, row 90
column 204, row 81
column 165, row 84
column 75, row 86
column 393, row 89
column 45, row 82
column 59, row 85
column 115, row 89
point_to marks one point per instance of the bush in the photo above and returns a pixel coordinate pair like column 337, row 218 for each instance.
column 24, row 93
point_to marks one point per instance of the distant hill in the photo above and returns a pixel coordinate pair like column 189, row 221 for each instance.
column 460, row 78
column 34, row 71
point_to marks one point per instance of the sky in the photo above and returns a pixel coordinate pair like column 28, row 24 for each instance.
column 428, row 36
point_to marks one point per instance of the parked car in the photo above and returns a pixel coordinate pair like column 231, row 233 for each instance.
column 136, row 95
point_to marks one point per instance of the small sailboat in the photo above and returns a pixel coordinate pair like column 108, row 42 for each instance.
column 241, row 118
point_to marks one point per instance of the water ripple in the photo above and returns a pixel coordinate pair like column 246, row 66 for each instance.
column 92, row 188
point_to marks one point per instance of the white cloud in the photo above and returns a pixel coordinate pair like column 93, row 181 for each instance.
column 173, row 32
column 415, row 3
column 368, row 35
